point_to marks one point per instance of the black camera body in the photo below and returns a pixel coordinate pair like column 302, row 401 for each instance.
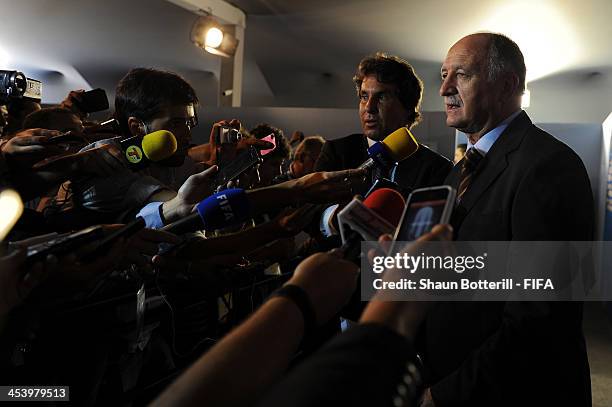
column 15, row 85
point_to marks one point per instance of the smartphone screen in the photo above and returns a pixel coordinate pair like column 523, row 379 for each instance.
column 426, row 208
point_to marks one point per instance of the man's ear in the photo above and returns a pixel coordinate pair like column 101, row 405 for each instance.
column 511, row 84
column 136, row 126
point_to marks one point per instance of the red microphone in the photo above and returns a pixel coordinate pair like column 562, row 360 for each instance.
column 388, row 203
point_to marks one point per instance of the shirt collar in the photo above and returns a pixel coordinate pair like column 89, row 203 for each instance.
column 484, row 144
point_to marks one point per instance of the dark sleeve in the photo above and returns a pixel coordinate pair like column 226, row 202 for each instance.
column 554, row 201
column 538, row 348
column 365, row 366
column 328, row 158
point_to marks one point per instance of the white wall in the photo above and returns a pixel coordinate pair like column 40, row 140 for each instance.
column 575, row 97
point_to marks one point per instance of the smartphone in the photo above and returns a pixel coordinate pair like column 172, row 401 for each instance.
column 242, row 163
column 426, row 207
column 93, row 101
column 270, row 139
column 63, row 244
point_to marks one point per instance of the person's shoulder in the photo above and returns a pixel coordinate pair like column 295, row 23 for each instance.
column 432, row 156
column 342, row 153
column 351, row 139
column 537, row 144
column 428, row 160
column 541, row 145
column 346, row 145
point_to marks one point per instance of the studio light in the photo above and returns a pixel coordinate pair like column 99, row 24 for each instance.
column 11, row 208
column 213, row 37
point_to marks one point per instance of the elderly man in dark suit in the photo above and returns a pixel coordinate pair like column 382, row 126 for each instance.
column 516, row 182
column 389, row 97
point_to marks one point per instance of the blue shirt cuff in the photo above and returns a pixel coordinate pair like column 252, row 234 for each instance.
column 150, row 213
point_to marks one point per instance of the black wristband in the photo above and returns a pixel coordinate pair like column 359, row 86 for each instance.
column 161, row 214
column 300, row 298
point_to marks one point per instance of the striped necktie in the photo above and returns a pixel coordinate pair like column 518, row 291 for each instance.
column 468, row 169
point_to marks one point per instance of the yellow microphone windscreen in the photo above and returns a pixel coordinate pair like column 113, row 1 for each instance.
column 401, row 143
column 159, row 145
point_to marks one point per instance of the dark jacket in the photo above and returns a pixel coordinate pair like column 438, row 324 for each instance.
column 530, row 186
column 424, row 168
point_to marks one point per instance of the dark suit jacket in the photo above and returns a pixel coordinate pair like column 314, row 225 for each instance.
column 424, row 168
column 529, row 186
column 363, row 366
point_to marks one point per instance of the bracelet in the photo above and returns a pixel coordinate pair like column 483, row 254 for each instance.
column 299, row 298
column 161, row 214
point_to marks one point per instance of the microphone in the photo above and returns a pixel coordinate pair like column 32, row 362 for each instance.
column 378, row 214
column 218, row 211
column 156, row 146
column 396, row 147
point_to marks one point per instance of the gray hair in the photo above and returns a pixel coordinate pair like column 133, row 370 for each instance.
column 505, row 56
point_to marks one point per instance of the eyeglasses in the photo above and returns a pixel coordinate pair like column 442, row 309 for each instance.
column 189, row 122
column 378, row 98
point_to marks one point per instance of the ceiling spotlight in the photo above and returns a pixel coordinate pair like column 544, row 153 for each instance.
column 213, row 37
column 11, row 208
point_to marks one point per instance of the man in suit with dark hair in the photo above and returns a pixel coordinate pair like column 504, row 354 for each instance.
column 389, row 97
column 516, row 182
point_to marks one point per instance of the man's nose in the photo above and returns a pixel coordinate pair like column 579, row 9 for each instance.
column 372, row 105
column 447, row 87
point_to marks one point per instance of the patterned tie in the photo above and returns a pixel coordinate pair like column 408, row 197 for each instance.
column 468, row 168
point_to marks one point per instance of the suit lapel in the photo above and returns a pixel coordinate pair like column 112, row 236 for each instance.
column 495, row 162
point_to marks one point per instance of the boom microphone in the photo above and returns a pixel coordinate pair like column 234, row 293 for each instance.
column 396, row 147
column 218, row 211
column 156, row 146
column 378, row 214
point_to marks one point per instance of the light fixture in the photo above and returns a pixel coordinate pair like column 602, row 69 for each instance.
column 11, row 208
column 213, row 37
